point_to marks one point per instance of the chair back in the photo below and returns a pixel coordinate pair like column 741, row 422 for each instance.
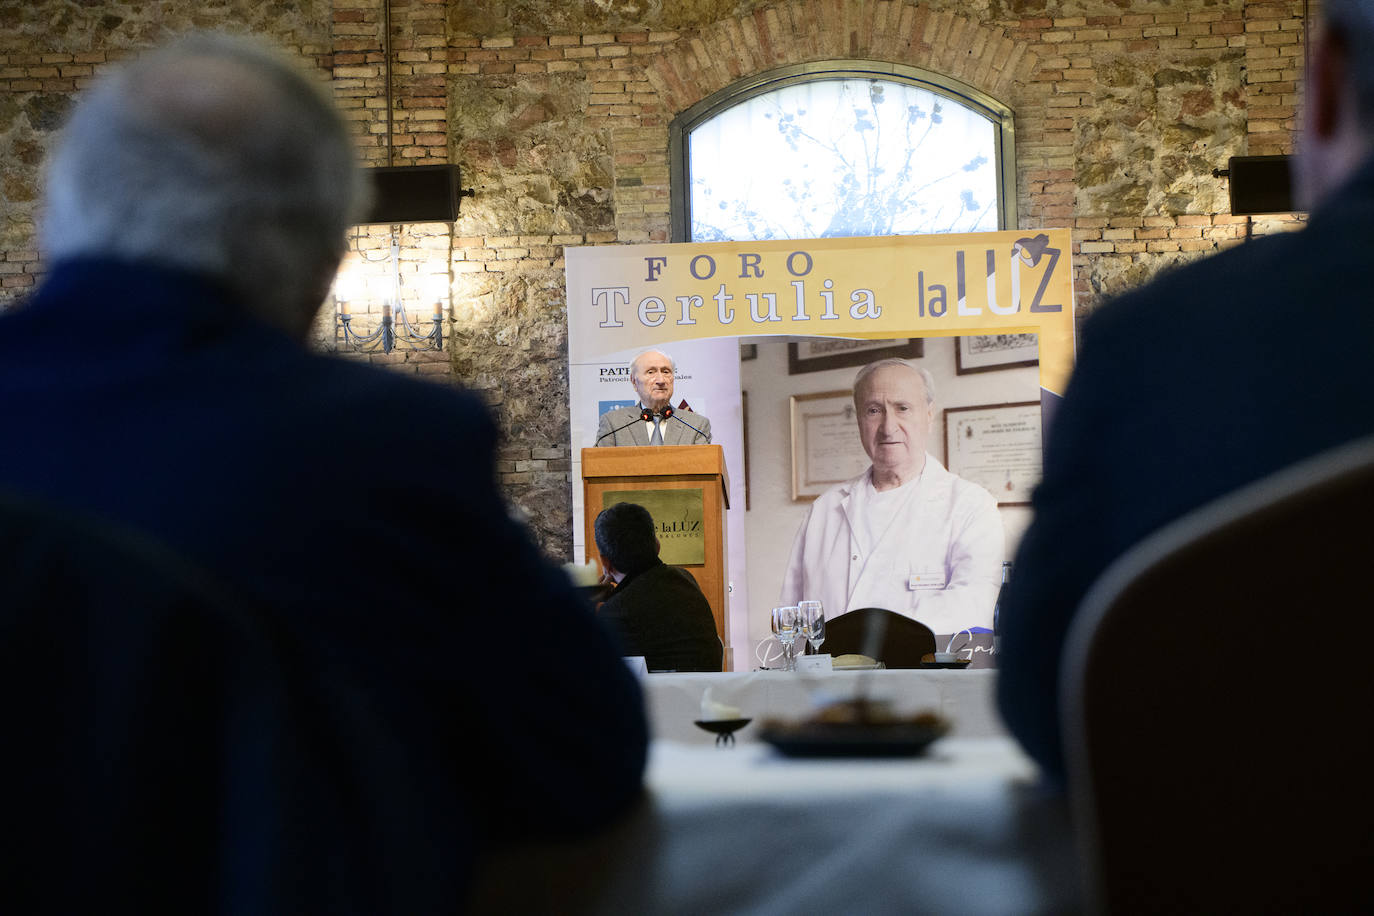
column 894, row 640
column 161, row 754
column 1215, row 737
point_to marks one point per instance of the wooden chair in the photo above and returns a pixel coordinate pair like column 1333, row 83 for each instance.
column 894, row 640
column 1214, row 702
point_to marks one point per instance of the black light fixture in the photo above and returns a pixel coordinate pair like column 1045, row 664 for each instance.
column 1259, row 184
column 415, row 194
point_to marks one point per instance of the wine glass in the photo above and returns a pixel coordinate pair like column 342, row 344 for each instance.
column 785, row 620
column 812, row 623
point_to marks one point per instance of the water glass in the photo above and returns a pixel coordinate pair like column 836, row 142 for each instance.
column 812, row 623
column 785, row 623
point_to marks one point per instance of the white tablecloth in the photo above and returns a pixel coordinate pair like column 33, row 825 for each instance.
column 965, row 698
column 742, row 830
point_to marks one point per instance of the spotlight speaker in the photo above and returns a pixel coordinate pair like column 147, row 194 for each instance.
column 414, row 194
column 1260, row 184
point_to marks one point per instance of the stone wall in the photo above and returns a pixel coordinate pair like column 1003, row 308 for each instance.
column 558, row 115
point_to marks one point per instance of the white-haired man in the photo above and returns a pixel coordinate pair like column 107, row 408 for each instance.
column 906, row 534
column 654, row 420
column 196, row 209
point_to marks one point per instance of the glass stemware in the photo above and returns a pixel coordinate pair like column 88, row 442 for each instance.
column 812, row 623
column 785, row 623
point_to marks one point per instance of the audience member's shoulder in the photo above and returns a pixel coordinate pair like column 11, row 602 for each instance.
column 678, row 572
column 1174, row 293
column 687, row 587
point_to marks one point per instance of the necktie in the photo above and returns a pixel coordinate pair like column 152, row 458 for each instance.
column 658, row 431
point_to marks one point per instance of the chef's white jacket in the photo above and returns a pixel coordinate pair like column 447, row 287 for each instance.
column 940, row 561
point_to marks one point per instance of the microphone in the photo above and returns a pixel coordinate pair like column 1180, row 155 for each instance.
column 646, row 416
column 638, row 419
column 689, row 426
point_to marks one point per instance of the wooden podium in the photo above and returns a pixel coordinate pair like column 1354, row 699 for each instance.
column 668, row 467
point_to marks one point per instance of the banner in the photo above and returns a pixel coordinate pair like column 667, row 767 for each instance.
column 697, row 301
column 627, row 298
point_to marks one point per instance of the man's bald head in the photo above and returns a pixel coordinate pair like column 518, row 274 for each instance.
column 652, row 373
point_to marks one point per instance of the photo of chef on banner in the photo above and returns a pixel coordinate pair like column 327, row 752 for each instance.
column 900, row 452
column 905, row 534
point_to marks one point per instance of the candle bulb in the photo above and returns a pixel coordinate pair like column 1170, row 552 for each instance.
column 438, row 311
column 343, row 307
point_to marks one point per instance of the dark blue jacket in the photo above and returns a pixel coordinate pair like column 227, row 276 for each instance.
column 361, row 508
column 1211, row 377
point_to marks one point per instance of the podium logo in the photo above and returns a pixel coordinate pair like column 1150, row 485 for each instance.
column 685, row 526
column 679, row 521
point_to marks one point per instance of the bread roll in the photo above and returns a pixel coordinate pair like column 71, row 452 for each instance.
column 852, row 661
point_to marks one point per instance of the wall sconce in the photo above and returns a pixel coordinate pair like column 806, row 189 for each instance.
column 395, row 328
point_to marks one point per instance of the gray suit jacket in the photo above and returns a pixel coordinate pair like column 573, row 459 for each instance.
column 622, row 426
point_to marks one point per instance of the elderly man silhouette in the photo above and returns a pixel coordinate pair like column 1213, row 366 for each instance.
column 196, row 209
column 1261, row 360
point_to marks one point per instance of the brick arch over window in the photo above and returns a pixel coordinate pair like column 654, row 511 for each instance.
column 701, row 63
column 890, row 203
column 799, row 31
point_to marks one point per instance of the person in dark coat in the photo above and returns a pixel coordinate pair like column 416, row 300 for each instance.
column 1209, row 378
column 158, row 380
column 656, row 611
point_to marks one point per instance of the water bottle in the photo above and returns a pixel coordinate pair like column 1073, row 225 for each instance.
column 997, row 608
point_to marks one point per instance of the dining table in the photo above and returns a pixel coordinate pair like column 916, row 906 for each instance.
column 963, row 827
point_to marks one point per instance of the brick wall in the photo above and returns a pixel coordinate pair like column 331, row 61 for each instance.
column 1273, row 41
column 558, row 115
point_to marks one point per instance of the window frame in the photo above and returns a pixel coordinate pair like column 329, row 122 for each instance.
column 681, row 127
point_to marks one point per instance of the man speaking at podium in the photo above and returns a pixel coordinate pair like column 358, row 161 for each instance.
column 654, row 420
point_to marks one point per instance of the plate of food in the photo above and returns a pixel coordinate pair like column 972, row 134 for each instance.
column 855, row 728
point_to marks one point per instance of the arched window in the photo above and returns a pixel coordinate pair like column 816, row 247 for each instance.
column 842, row 148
